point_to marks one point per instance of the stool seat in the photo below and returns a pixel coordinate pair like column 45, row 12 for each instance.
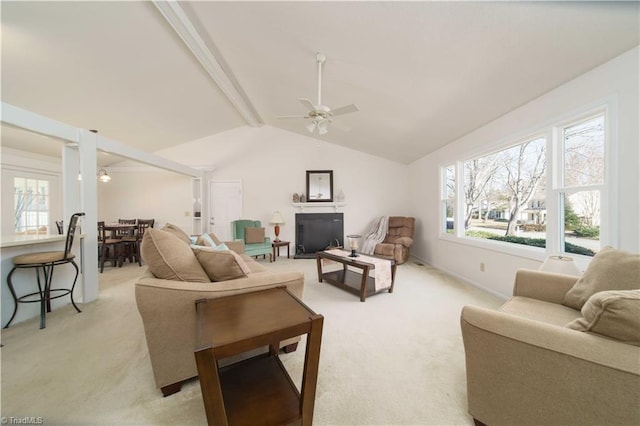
column 42, row 257
column 43, row 264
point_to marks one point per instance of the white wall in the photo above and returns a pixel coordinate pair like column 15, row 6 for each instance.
column 618, row 78
column 140, row 192
column 271, row 164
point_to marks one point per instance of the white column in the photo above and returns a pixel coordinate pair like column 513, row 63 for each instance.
column 70, row 183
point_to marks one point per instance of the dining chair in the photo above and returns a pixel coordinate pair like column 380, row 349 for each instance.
column 43, row 263
column 136, row 242
column 128, row 236
column 60, row 226
column 109, row 249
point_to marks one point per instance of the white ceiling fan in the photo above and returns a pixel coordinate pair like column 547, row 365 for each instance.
column 321, row 116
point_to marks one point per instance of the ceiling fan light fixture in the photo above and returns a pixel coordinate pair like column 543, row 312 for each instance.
column 319, row 114
column 311, row 126
column 322, row 128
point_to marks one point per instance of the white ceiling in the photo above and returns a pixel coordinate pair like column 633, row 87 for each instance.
column 422, row 73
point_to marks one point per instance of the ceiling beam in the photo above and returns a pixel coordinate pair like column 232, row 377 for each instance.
column 179, row 21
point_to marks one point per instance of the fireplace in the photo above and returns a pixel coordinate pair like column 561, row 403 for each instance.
column 317, row 231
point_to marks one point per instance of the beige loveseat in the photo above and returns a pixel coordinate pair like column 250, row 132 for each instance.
column 538, row 360
column 167, row 306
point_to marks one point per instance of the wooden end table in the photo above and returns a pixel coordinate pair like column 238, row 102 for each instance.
column 259, row 389
column 360, row 284
column 276, row 245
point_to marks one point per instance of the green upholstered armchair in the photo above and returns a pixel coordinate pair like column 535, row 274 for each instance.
column 251, row 233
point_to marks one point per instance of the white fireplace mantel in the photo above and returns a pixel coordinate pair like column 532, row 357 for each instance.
column 318, row 205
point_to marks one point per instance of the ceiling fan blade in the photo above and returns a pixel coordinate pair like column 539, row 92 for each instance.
column 292, row 116
column 345, row 109
column 307, row 104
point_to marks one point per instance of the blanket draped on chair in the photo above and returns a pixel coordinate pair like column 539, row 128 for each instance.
column 375, row 234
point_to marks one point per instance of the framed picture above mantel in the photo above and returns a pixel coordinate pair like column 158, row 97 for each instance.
column 319, row 186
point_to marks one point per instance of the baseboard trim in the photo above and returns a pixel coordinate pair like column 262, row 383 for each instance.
column 462, row 278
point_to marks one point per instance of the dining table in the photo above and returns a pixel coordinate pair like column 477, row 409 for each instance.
column 115, row 227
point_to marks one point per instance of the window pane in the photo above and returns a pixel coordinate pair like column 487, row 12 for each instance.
column 31, row 197
column 505, row 195
column 450, row 197
column 584, row 153
column 582, row 222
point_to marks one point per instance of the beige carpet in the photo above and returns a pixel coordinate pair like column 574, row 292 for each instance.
column 396, row 359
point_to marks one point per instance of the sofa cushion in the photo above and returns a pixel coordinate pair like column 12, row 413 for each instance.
column 169, row 258
column 253, row 235
column 252, row 264
column 610, row 269
column 539, row 310
column 175, row 230
column 614, row 314
column 221, row 265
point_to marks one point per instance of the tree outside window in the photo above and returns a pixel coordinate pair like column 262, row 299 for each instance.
column 31, row 197
column 505, row 194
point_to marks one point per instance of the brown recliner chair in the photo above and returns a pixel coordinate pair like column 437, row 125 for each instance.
column 398, row 240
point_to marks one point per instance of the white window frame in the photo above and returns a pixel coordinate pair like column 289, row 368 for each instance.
column 443, row 198
column 552, row 131
column 8, row 208
column 607, row 236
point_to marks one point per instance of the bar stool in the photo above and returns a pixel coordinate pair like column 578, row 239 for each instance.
column 45, row 261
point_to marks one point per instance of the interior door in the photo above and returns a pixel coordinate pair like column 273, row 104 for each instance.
column 225, row 206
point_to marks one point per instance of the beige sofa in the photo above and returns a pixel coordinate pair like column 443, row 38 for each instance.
column 538, row 361
column 167, row 307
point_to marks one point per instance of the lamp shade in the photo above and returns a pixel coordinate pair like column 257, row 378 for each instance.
column 560, row 265
column 277, row 218
column 103, row 176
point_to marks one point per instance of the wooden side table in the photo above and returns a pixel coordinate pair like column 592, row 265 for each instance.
column 276, row 245
column 259, row 389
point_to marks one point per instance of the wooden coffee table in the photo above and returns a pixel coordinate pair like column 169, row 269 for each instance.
column 259, row 389
column 360, row 284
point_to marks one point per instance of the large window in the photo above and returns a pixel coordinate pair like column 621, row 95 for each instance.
column 505, row 194
column 32, row 200
column 544, row 192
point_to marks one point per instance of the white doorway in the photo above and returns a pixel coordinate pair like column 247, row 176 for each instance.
column 225, row 206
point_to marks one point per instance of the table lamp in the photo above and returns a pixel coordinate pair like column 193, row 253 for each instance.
column 353, row 244
column 560, row 265
column 276, row 220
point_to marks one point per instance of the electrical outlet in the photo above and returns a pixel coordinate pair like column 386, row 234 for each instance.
column 481, row 266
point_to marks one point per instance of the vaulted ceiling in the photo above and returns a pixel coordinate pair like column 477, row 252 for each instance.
column 422, row 73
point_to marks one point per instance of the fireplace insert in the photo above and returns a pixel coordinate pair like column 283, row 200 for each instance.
column 317, row 231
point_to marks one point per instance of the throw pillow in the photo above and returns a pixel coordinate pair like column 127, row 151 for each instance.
column 221, row 265
column 610, row 269
column 168, row 258
column 614, row 314
column 182, row 236
column 208, row 240
column 253, row 235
